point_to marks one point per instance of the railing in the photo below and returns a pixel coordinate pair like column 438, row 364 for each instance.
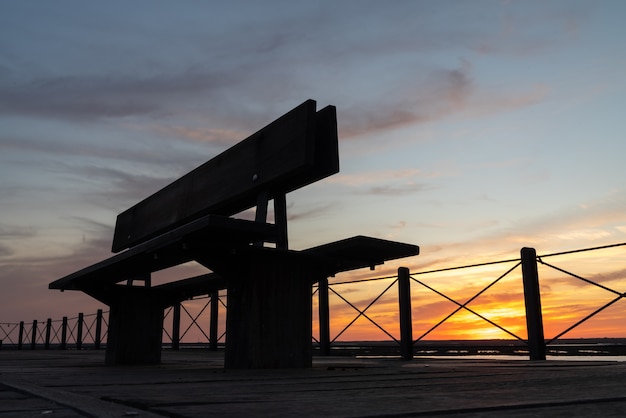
column 181, row 320
column 77, row 332
column 395, row 297
column 615, row 294
column 525, row 267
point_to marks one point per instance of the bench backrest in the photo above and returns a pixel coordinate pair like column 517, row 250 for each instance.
column 296, row 149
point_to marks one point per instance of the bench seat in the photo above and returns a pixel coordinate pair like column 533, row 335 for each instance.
column 361, row 251
column 167, row 250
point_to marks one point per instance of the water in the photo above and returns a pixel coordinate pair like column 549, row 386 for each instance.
column 505, row 357
column 525, row 358
column 601, row 349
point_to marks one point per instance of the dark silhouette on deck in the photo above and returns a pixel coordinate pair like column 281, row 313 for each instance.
column 268, row 321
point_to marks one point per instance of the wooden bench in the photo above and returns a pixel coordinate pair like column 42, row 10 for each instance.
column 269, row 287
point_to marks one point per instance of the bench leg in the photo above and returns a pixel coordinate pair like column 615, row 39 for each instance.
column 135, row 328
column 268, row 323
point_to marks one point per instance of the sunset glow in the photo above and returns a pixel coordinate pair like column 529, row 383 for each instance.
column 471, row 129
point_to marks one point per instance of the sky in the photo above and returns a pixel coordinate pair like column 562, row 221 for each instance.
column 469, row 128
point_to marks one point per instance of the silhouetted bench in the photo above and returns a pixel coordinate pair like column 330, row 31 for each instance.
column 269, row 287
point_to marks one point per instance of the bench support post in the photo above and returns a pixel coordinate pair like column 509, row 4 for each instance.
column 268, row 323
column 135, row 328
column 280, row 220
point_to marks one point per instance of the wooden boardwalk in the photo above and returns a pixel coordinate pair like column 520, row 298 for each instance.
column 193, row 383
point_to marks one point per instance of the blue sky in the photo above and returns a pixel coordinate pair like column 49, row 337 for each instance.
column 470, row 128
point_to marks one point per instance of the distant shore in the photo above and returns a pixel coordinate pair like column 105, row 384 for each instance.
column 563, row 347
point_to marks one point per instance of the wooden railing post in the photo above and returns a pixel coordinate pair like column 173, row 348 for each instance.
column 79, row 332
column 406, row 322
column 20, row 336
column 215, row 304
column 324, row 317
column 48, row 330
column 176, row 326
column 33, row 335
column 532, row 298
column 98, row 337
column 63, row 345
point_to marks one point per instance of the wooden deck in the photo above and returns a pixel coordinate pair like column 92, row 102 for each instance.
column 193, row 383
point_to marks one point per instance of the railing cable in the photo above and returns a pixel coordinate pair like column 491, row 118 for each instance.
column 362, row 313
column 464, row 305
column 585, row 318
column 608, row 289
column 193, row 321
column 584, row 249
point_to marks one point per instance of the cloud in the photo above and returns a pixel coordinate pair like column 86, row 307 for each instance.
column 489, row 102
column 444, row 93
column 399, row 225
column 398, row 190
column 613, row 277
column 221, row 137
column 311, row 212
column 24, row 281
column 583, row 235
column 122, row 186
column 386, row 182
column 596, row 223
column 5, row 250
column 587, row 223
column 14, row 231
column 414, row 100
column 89, row 97
column 75, row 145
column 243, row 80
column 369, row 177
